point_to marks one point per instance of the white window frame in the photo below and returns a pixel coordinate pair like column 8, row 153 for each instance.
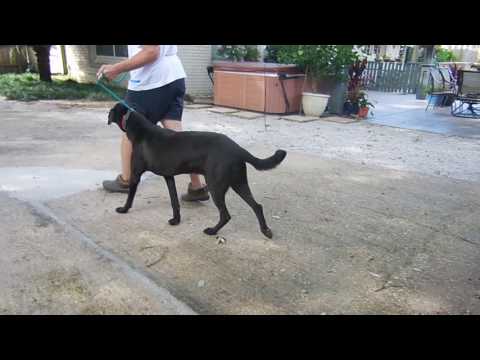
column 100, row 59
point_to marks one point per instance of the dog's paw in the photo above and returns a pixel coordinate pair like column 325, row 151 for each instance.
column 210, row 231
column 121, row 210
column 267, row 232
column 174, row 221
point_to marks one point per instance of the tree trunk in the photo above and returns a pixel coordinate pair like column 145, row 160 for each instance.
column 43, row 60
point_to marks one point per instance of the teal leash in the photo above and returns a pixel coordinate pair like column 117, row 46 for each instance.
column 111, row 93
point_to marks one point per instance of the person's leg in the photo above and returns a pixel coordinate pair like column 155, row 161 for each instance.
column 177, row 126
column 126, row 155
column 121, row 183
column 170, row 114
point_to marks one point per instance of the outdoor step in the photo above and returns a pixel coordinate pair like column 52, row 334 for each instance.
column 303, row 118
column 199, row 99
column 341, row 120
column 222, row 110
column 203, row 100
column 248, row 115
column 300, row 118
column 197, row 106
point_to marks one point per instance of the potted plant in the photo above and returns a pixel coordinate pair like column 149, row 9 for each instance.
column 355, row 91
column 324, row 67
column 364, row 105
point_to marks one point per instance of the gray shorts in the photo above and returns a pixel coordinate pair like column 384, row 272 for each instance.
column 158, row 104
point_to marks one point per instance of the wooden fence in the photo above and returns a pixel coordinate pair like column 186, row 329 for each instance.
column 392, row 77
column 14, row 59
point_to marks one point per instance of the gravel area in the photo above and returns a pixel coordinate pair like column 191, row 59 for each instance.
column 361, row 142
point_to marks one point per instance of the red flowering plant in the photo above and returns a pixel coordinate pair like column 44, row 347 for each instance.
column 355, row 93
column 355, row 79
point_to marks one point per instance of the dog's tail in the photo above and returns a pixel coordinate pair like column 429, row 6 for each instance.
column 268, row 163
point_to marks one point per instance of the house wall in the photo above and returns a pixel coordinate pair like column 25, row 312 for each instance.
column 391, row 52
column 81, row 66
column 195, row 59
column 83, row 63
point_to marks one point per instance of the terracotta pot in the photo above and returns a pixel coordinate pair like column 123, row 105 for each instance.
column 363, row 112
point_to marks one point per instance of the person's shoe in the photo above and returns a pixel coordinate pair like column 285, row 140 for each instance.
column 117, row 185
column 196, row 195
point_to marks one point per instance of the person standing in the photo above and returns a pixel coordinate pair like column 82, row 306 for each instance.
column 156, row 89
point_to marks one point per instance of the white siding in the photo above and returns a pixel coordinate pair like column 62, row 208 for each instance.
column 195, row 59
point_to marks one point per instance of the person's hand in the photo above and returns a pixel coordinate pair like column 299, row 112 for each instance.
column 109, row 71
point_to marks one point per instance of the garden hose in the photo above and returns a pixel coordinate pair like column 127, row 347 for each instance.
column 111, row 93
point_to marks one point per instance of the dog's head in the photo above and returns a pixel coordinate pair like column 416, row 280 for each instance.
column 119, row 115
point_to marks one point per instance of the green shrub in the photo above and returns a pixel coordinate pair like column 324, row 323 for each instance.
column 238, row 52
column 271, row 55
column 28, row 87
column 251, row 53
column 318, row 60
column 445, row 55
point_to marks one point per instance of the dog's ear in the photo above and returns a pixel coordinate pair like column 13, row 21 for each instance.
column 121, row 108
column 116, row 113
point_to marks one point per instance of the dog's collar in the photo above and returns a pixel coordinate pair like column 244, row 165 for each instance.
column 125, row 117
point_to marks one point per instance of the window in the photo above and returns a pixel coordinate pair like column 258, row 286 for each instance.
column 111, row 50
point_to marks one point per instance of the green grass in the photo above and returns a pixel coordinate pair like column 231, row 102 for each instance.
column 28, row 87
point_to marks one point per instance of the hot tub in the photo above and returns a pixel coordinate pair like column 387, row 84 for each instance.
column 255, row 86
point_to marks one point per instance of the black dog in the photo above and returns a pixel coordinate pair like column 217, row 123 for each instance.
column 168, row 153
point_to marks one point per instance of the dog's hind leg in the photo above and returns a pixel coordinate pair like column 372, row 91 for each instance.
column 172, row 190
column 243, row 190
column 218, row 195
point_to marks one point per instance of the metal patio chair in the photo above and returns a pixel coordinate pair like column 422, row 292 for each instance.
column 448, row 79
column 467, row 100
column 439, row 88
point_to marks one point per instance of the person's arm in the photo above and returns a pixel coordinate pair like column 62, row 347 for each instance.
column 147, row 55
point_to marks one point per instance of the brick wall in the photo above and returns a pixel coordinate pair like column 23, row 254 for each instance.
column 83, row 65
column 78, row 63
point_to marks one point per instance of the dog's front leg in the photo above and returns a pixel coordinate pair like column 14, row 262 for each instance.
column 138, row 168
column 131, row 195
column 172, row 189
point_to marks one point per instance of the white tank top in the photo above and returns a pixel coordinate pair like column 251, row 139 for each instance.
column 166, row 69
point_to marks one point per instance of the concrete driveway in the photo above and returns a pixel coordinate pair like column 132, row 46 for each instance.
column 406, row 112
column 356, row 231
